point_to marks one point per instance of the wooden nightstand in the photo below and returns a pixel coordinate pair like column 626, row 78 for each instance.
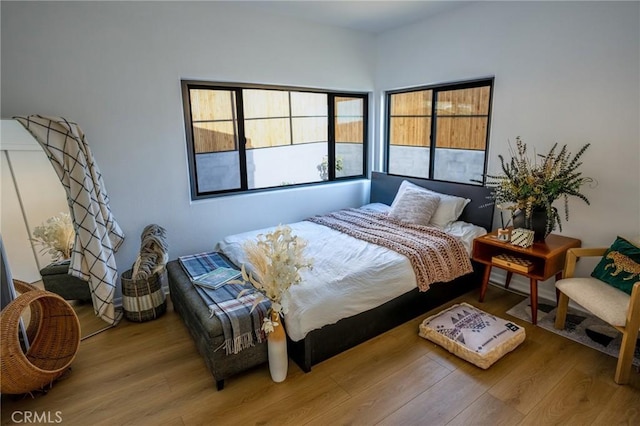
column 545, row 260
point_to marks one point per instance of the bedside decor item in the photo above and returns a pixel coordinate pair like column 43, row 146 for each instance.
column 531, row 188
column 522, row 237
column 276, row 260
column 504, row 234
column 537, row 223
column 516, row 263
column 472, row 334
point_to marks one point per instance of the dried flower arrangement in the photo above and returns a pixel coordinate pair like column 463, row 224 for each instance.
column 277, row 259
column 56, row 236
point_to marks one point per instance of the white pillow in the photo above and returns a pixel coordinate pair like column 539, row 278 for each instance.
column 449, row 209
column 415, row 206
column 377, row 207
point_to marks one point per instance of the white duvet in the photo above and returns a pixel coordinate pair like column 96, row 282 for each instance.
column 349, row 276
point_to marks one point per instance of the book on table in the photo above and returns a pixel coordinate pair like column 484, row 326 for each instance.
column 513, row 262
column 217, row 277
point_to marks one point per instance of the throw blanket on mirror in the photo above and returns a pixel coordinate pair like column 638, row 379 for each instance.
column 241, row 326
column 435, row 256
column 98, row 235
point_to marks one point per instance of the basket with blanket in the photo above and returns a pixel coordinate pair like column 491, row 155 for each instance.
column 143, row 298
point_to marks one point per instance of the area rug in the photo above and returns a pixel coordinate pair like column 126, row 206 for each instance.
column 580, row 327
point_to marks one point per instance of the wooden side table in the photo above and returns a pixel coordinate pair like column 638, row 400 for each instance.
column 546, row 259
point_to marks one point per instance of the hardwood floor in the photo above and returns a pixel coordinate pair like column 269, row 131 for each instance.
column 151, row 374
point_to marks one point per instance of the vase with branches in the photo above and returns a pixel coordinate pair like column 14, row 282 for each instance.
column 276, row 259
column 527, row 186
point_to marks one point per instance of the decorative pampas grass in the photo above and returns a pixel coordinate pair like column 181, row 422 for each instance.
column 276, row 259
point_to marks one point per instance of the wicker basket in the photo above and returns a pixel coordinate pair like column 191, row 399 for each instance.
column 35, row 310
column 52, row 350
column 143, row 299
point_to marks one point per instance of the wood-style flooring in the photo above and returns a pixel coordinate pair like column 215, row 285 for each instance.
column 151, row 374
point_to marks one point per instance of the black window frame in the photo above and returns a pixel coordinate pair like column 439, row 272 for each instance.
column 237, row 88
column 436, row 88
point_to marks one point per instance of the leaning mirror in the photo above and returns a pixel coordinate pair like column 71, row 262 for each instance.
column 33, row 209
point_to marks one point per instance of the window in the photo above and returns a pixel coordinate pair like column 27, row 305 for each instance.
column 440, row 132
column 242, row 137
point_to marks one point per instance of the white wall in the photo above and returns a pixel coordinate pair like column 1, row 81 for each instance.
column 565, row 72
column 115, row 68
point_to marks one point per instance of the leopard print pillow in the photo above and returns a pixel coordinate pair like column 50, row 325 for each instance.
column 620, row 265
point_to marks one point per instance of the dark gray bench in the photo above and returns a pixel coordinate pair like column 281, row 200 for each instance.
column 207, row 332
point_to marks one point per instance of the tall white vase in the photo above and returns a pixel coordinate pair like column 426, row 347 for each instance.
column 277, row 346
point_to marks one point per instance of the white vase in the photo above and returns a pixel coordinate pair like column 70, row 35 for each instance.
column 277, row 347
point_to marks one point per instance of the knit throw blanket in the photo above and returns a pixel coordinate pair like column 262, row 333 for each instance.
column 241, row 322
column 435, row 256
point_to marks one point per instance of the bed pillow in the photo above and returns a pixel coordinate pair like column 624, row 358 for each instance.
column 415, row 206
column 376, row 207
column 449, row 209
column 620, row 265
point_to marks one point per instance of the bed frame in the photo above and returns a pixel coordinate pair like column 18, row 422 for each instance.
column 330, row 340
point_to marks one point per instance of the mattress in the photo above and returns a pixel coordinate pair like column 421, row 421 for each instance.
column 349, row 276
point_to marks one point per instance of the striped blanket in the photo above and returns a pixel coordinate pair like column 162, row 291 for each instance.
column 435, row 256
column 241, row 327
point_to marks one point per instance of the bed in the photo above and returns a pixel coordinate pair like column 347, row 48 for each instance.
column 357, row 290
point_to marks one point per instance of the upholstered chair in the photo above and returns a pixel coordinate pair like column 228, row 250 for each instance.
column 608, row 303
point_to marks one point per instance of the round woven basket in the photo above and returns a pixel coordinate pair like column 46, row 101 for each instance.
column 35, row 312
column 52, row 349
column 143, row 299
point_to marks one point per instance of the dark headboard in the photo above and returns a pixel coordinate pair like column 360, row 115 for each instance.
column 384, row 188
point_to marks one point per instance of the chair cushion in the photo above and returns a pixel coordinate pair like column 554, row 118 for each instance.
column 471, row 334
column 604, row 301
column 620, row 265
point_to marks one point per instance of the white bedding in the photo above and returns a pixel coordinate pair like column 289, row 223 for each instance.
column 349, row 275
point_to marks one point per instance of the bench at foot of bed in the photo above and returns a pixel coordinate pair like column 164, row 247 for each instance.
column 207, row 331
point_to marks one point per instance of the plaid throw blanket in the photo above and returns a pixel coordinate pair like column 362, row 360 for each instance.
column 435, row 255
column 241, row 327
